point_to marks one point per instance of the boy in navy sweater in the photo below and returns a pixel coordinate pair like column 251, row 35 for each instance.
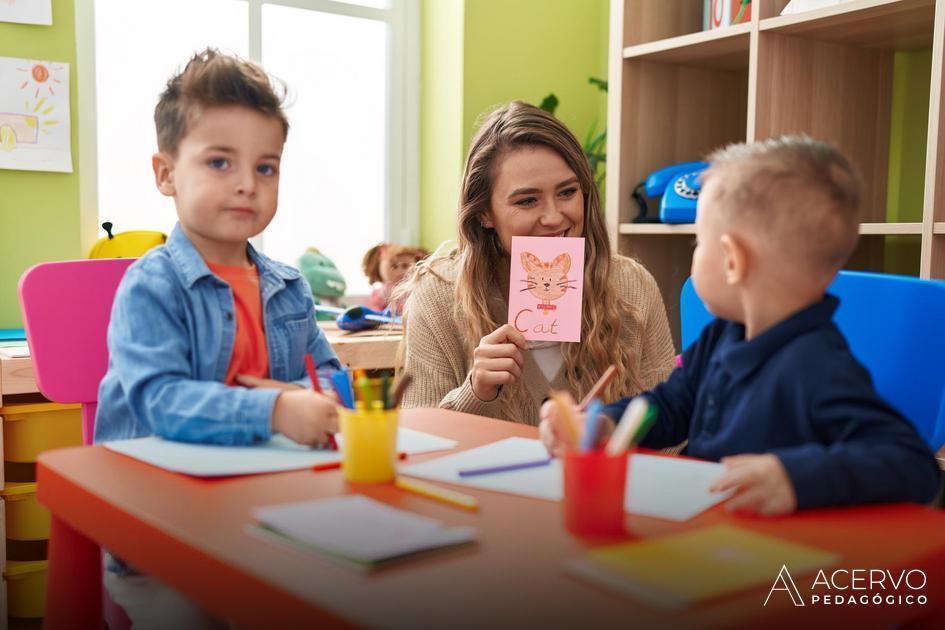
column 770, row 388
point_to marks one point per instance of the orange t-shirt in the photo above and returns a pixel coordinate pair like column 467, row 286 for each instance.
column 250, row 355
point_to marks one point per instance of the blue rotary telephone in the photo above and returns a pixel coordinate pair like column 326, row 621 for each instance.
column 679, row 186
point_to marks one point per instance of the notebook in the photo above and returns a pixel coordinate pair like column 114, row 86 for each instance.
column 359, row 529
column 681, row 570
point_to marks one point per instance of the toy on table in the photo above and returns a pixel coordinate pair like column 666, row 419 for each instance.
column 327, row 283
column 133, row 244
column 385, row 265
column 356, row 318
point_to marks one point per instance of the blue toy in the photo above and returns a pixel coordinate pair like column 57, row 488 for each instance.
column 357, row 318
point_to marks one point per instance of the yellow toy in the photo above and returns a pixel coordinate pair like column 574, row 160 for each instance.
column 132, row 244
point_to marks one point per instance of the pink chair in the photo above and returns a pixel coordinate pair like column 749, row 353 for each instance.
column 66, row 308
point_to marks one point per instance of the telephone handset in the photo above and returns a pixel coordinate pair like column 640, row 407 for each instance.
column 679, row 186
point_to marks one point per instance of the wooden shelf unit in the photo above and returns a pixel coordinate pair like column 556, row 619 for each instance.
column 677, row 92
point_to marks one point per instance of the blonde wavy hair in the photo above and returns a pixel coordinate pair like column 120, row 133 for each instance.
column 479, row 252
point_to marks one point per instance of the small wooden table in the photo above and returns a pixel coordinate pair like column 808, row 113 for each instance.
column 368, row 349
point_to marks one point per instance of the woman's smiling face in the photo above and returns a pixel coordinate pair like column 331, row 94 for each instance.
column 534, row 193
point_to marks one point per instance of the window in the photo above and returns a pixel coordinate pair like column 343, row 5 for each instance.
column 352, row 73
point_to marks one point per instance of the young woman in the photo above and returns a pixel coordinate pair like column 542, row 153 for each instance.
column 526, row 175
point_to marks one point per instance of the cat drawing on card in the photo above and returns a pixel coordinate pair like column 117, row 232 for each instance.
column 548, row 281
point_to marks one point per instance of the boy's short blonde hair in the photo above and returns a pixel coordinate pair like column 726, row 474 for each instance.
column 212, row 79
column 799, row 193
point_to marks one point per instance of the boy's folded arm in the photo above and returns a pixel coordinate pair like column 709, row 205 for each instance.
column 866, row 452
column 149, row 350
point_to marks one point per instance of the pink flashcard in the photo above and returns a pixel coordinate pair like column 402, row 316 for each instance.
column 545, row 287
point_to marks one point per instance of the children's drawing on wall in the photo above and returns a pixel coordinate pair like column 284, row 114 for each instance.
column 34, row 115
column 26, row 11
column 546, row 286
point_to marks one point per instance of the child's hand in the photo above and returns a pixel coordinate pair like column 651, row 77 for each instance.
column 497, row 361
column 305, row 417
column 552, row 429
column 548, row 428
column 761, row 485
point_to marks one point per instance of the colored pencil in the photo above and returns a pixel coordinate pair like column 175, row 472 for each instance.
column 312, row 374
column 631, row 420
column 474, row 472
column 405, row 381
column 334, row 465
column 568, row 422
column 432, row 491
column 592, row 425
column 316, row 386
column 644, row 426
column 599, row 386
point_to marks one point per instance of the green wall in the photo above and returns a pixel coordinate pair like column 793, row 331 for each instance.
column 909, row 121
column 507, row 50
column 441, row 115
column 39, row 212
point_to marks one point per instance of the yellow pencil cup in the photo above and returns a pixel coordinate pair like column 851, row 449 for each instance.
column 369, row 446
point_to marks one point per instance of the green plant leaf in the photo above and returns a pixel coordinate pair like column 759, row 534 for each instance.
column 600, row 83
column 549, row 104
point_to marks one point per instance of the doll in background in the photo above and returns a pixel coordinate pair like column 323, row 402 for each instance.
column 385, row 265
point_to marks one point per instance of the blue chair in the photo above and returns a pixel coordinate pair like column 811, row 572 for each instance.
column 895, row 326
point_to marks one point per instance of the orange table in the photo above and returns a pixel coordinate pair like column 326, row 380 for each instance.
column 192, row 534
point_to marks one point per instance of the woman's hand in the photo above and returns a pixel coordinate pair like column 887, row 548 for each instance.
column 497, row 361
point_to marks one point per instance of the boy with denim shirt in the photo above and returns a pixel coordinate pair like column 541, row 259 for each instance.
column 207, row 311
column 207, row 336
column 771, row 388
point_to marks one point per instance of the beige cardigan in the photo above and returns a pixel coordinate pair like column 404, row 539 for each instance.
column 435, row 356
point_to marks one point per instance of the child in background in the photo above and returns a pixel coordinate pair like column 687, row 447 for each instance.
column 385, row 265
column 207, row 336
column 771, row 388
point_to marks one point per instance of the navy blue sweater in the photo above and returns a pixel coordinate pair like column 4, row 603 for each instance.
column 797, row 392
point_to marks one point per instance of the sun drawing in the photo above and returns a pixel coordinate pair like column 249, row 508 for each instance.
column 25, row 129
column 40, row 76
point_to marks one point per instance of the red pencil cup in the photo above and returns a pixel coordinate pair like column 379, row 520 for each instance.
column 594, row 487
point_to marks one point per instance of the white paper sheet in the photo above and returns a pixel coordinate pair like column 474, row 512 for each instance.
column 34, row 115
column 671, row 487
column 278, row 455
column 358, row 528
column 545, row 482
column 26, row 11
column 662, row 487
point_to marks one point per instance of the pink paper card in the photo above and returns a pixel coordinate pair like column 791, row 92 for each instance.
column 545, row 287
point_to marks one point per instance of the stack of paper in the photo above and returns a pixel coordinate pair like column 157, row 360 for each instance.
column 681, row 570
column 277, row 455
column 672, row 488
column 359, row 529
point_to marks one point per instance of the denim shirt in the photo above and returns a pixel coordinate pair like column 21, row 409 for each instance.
column 170, row 339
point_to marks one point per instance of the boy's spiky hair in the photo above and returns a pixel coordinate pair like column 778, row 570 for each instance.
column 801, row 193
column 213, row 79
